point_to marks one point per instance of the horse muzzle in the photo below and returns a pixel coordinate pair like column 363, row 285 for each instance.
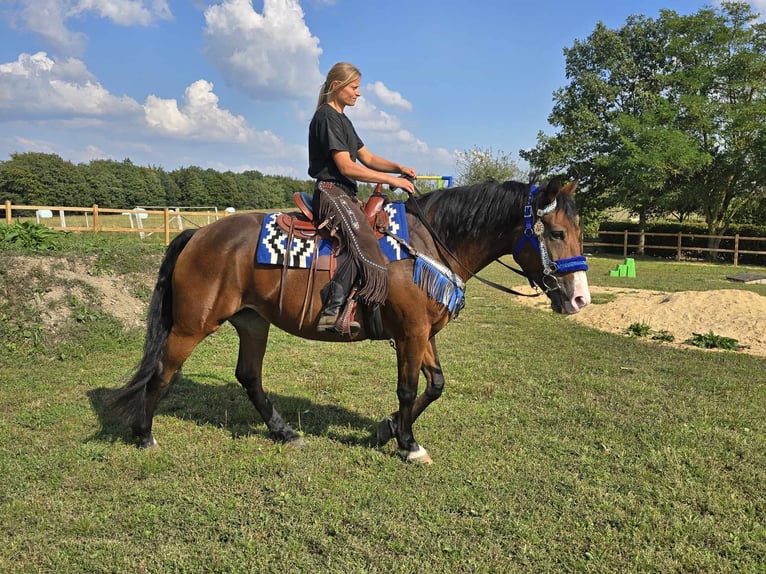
column 570, row 294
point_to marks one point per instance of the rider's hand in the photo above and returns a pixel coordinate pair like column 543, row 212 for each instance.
column 404, row 184
column 407, row 171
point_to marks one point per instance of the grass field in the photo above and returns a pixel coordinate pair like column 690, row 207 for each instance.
column 557, row 448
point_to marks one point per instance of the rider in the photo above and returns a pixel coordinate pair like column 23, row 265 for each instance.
column 334, row 148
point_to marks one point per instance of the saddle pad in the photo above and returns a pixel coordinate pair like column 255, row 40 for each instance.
column 272, row 244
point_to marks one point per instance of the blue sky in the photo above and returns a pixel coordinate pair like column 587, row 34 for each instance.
column 232, row 84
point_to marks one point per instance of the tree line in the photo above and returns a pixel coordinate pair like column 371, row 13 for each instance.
column 47, row 179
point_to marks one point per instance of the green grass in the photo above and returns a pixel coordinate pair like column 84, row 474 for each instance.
column 557, row 448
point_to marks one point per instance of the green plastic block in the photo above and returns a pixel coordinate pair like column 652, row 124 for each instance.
column 614, row 273
column 622, row 270
column 630, row 264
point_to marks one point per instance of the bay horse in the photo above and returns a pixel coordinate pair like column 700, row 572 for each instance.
column 210, row 275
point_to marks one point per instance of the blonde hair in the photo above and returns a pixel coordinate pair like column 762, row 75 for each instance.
column 342, row 72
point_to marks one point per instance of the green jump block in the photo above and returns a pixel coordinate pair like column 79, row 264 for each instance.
column 622, row 270
column 630, row 267
column 627, row 269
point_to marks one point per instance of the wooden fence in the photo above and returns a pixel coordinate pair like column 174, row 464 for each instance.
column 97, row 219
column 636, row 241
column 167, row 221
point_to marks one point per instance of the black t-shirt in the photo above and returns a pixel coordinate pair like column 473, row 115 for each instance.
column 331, row 131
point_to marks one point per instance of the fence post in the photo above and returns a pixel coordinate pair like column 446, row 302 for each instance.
column 736, row 248
column 8, row 212
column 95, row 218
column 625, row 244
column 678, row 247
column 166, row 216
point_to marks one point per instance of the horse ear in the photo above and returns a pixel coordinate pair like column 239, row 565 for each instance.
column 570, row 187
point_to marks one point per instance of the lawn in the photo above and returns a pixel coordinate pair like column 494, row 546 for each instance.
column 557, row 448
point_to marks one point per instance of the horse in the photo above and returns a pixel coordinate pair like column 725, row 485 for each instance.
column 210, row 275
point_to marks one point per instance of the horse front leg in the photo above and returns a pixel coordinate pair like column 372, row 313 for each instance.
column 432, row 371
column 253, row 331
column 410, row 358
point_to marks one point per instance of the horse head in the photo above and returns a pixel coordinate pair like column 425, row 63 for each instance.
column 549, row 247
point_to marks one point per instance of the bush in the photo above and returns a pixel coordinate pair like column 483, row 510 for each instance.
column 29, row 235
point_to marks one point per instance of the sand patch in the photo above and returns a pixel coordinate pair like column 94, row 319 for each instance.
column 733, row 313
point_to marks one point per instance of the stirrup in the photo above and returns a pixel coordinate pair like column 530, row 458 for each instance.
column 326, row 324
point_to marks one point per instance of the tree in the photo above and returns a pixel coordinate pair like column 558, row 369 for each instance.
column 478, row 165
column 17, row 183
column 717, row 62
column 191, row 182
column 664, row 115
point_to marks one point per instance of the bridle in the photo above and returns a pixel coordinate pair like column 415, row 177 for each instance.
column 533, row 233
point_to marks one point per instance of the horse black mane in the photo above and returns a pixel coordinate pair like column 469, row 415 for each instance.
column 486, row 209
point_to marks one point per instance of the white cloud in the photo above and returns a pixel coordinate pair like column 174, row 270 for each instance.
column 269, row 56
column 366, row 116
column 199, row 117
column 125, row 12
column 388, row 97
column 48, row 18
column 384, row 135
column 36, row 86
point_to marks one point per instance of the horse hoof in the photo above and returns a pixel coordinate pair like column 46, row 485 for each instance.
column 150, row 444
column 386, row 431
column 418, row 456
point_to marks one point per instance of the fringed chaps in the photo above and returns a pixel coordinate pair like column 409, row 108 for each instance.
column 357, row 238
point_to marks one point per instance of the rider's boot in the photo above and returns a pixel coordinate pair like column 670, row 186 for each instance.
column 336, row 292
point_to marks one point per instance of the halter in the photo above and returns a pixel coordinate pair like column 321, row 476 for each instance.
column 533, row 233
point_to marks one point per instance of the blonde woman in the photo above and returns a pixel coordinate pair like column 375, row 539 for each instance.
column 337, row 160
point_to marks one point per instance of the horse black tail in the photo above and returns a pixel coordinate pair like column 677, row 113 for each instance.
column 129, row 402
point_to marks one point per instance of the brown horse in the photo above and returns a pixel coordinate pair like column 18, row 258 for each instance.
column 210, row 275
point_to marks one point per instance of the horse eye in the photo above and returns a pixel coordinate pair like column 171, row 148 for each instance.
column 557, row 235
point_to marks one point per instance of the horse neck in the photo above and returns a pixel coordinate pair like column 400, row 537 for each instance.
column 473, row 255
column 477, row 241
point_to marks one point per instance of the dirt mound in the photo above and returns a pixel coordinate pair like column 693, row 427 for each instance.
column 733, row 313
column 55, row 282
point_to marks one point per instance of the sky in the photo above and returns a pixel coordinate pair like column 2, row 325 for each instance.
column 232, row 84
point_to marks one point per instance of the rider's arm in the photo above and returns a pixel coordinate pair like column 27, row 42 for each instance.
column 376, row 171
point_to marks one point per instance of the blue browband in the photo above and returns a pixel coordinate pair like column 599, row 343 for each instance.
column 533, row 233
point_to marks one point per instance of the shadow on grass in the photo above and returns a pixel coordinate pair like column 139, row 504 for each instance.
column 227, row 406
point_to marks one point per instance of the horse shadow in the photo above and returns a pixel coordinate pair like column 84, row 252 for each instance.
column 227, row 406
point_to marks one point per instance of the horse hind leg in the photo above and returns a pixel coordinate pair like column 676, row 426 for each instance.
column 253, row 331
column 138, row 400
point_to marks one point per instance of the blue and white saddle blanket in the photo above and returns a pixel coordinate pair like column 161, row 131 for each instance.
column 437, row 280
column 272, row 244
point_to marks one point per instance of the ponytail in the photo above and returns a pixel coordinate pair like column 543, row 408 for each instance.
column 324, row 92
